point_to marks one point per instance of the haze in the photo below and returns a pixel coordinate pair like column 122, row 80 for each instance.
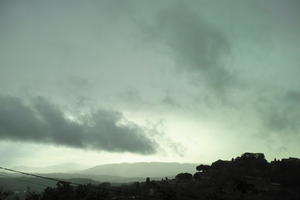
column 95, row 82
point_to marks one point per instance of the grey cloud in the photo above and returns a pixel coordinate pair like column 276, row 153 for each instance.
column 197, row 47
column 199, row 50
column 293, row 97
column 171, row 102
column 279, row 113
column 43, row 122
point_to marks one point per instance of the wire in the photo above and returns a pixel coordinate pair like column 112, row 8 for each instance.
column 26, row 181
column 78, row 184
column 38, row 176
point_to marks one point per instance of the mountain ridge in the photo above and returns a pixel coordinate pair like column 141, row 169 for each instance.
column 142, row 169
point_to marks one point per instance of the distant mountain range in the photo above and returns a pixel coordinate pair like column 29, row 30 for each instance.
column 142, row 169
column 126, row 170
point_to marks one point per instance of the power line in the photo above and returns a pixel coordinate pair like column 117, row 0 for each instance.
column 38, row 176
column 78, row 184
column 26, row 181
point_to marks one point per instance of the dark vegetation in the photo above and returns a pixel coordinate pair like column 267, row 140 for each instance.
column 249, row 176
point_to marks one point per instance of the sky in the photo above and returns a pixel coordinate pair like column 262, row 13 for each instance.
column 107, row 81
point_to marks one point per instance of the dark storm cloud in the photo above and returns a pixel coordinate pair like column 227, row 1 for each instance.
column 43, row 122
column 197, row 47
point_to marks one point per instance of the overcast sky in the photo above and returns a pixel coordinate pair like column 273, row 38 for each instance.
column 111, row 81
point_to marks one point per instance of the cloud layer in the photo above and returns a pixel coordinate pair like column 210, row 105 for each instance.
column 44, row 122
column 222, row 73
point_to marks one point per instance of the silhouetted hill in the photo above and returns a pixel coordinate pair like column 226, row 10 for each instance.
column 142, row 169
